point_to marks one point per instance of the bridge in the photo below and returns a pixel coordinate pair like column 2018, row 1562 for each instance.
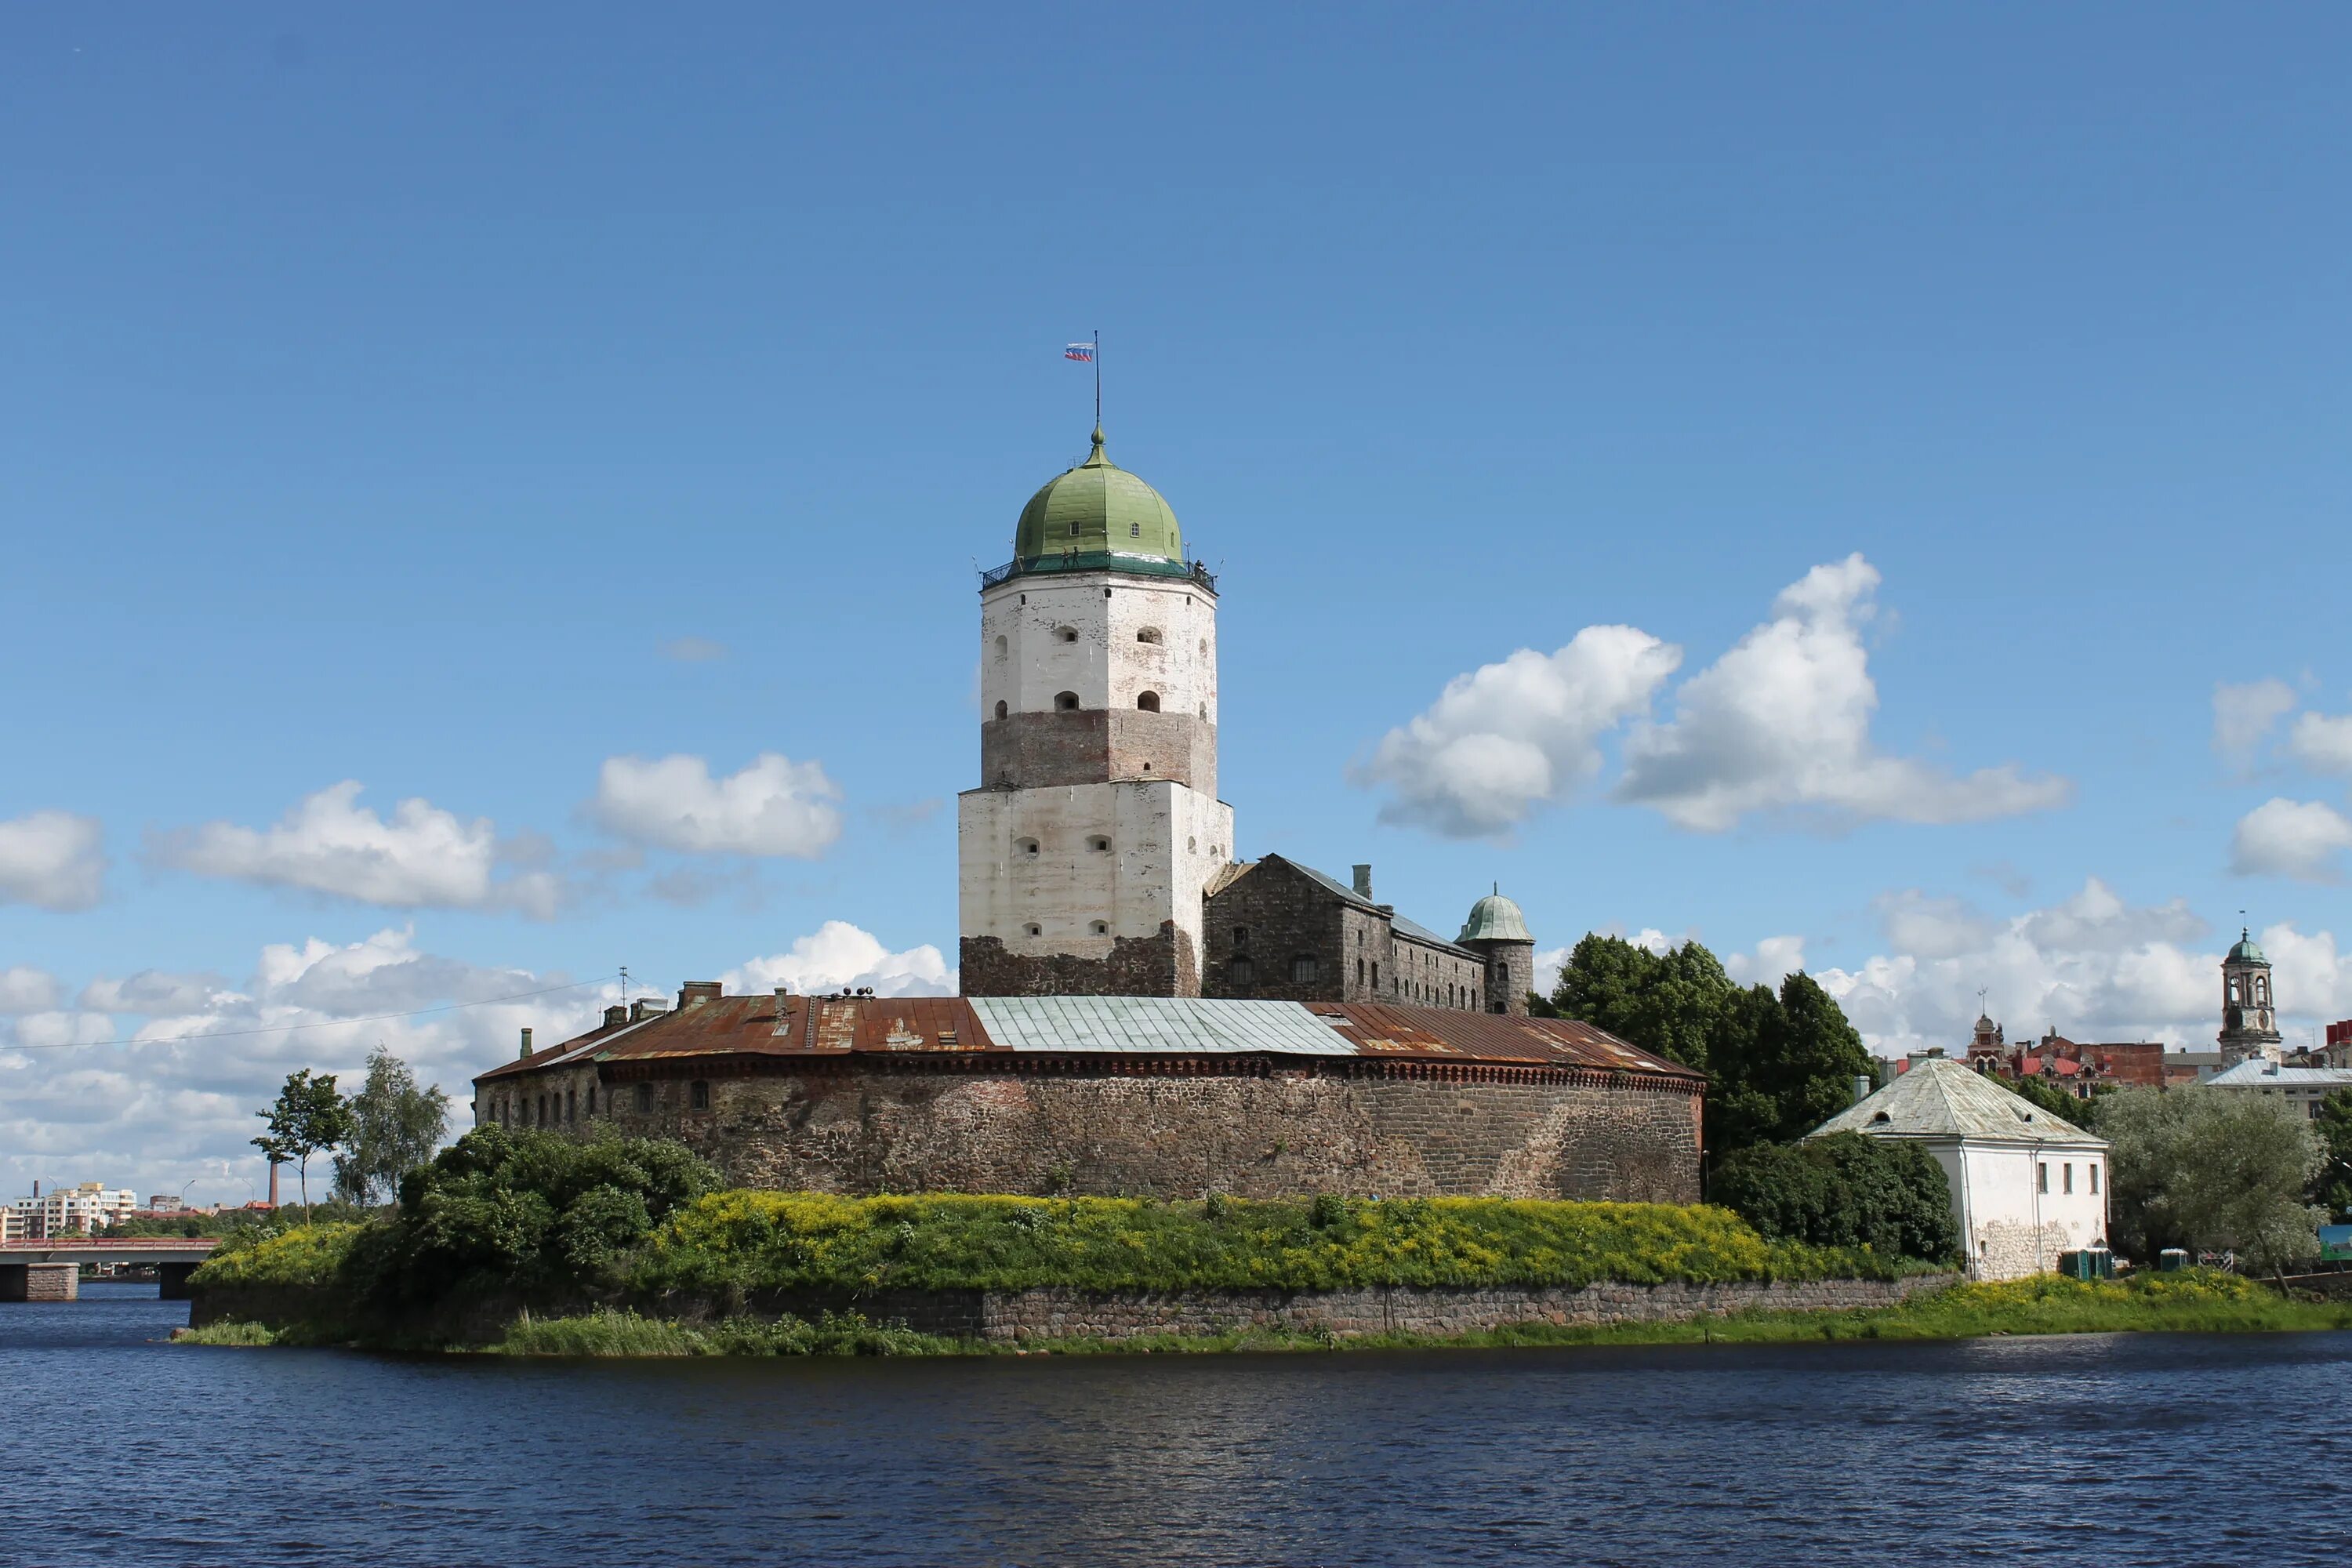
column 51, row 1270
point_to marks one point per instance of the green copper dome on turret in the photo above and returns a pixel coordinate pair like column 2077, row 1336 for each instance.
column 2247, row 950
column 1495, row 919
column 1097, row 516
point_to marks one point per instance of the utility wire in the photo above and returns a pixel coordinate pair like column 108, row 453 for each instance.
column 322, row 1023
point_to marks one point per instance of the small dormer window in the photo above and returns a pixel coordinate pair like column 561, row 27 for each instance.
column 1881, row 1116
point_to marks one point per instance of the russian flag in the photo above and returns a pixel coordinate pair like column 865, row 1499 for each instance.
column 1085, row 351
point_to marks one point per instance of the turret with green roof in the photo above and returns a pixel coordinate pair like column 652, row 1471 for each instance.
column 1097, row 517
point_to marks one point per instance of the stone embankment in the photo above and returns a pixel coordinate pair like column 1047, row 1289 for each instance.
column 1011, row 1316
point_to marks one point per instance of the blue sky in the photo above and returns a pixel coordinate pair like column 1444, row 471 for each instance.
column 392, row 399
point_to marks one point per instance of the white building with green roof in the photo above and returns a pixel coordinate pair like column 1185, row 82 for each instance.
column 2027, row 1184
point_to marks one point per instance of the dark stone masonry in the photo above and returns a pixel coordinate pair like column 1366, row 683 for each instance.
column 1161, row 965
column 1048, row 1126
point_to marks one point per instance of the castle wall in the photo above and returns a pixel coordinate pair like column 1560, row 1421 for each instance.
column 1271, row 915
column 868, row 1127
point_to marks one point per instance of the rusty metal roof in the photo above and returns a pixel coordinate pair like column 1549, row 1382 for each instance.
column 1083, row 1026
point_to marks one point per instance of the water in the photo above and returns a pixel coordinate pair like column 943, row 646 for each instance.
column 2154, row 1449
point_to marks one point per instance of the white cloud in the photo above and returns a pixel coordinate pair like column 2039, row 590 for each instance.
column 2245, row 714
column 1775, row 958
column 2298, row 839
column 2321, row 742
column 773, row 807
column 2092, row 966
column 840, row 954
column 1509, row 737
column 24, row 989
column 1550, row 961
column 1782, row 721
column 52, row 859
column 1931, row 927
column 151, row 991
column 155, row 1109
column 424, row 857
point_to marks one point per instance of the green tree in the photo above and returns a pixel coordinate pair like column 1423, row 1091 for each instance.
column 2332, row 1188
column 1778, row 1065
column 308, row 1117
column 2059, row 1102
column 395, row 1127
column 1844, row 1190
column 2209, row 1168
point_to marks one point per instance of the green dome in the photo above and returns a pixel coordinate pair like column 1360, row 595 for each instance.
column 1094, row 515
column 1495, row 919
column 2247, row 951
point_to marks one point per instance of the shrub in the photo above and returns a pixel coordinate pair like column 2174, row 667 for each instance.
column 1843, row 1191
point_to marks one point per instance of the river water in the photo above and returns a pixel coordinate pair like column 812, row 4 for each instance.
column 2108, row 1449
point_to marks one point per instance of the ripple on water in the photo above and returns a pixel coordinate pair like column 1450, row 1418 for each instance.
column 2106, row 1449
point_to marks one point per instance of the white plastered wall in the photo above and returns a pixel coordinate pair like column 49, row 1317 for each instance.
column 1025, row 663
column 1165, row 843
column 2009, row 1227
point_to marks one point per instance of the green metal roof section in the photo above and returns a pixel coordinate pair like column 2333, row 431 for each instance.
column 1100, row 509
column 2247, row 951
column 1495, row 919
column 1944, row 1098
column 1189, row 1025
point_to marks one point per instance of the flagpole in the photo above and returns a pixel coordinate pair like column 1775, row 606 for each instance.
column 1097, row 378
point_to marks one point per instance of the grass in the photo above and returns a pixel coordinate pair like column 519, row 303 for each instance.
column 761, row 1241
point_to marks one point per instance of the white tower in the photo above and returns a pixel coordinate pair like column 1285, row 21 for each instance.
column 2248, row 1012
column 1095, row 830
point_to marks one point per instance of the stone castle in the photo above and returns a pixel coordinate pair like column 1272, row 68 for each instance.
column 1143, row 1012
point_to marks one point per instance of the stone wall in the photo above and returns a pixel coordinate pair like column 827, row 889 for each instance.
column 1048, row 750
column 1179, row 1131
column 1359, row 955
column 1396, row 1309
column 2012, row 1251
column 1161, row 965
column 40, row 1281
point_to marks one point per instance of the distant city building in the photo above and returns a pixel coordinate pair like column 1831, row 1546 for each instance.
column 2303, row 1086
column 80, row 1210
column 2248, row 1012
column 2026, row 1185
column 164, row 1204
column 12, row 1226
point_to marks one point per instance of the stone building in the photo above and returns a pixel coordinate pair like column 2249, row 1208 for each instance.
column 1095, row 856
column 1144, row 1011
column 1168, row 1096
column 2026, row 1184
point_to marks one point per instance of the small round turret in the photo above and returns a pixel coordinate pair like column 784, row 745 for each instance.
column 1497, row 932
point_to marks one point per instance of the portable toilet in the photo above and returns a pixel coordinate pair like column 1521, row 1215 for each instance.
column 2171, row 1260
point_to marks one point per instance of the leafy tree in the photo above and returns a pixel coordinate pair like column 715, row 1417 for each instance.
column 2057, row 1101
column 504, row 1209
column 395, row 1127
column 1778, row 1065
column 309, row 1116
column 2209, row 1168
column 1844, row 1190
column 2332, row 1188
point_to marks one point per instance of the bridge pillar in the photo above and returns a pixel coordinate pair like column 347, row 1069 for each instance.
column 40, row 1281
column 172, row 1280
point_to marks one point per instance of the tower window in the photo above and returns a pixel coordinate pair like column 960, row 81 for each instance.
column 1025, row 846
column 1149, row 701
column 1034, row 930
column 1102, row 928
column 1302, row 969
column 1240, row 972
column 1001, row 710
column 1241, row 936
column 1099, row 845
column 1148, row 634
column 700, row 1098
column 644, row 1097
column 1002, row 648
column 1074, row 527
column 1065, row 634
column 1066, row 701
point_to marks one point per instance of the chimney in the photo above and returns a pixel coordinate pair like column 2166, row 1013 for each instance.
column 781, row 1011
column 273, row 1183
column 698, row 991
column 526, row 1042
column 615, row 1015
column 37, row 1189
column 1364, row 883
column 1860, row 1089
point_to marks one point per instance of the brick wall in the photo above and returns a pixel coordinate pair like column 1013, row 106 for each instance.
column 1048, row 1127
